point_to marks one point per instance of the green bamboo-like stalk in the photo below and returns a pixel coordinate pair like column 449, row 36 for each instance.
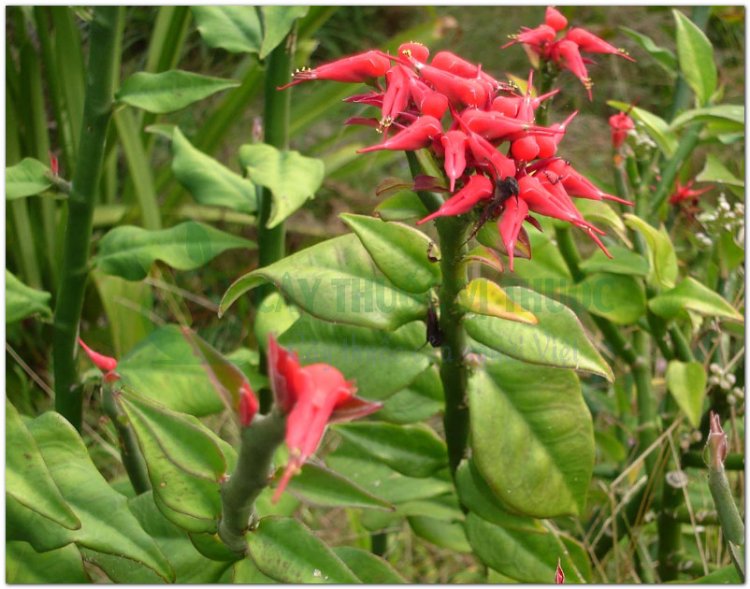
column 74, row 271
column 238, row 494
column 271, row 242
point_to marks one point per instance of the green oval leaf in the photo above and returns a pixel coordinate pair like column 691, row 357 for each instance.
column 691, row 295
column 664, row 57
column 557, row 340
column 621, row 299
column 234, row 28
column 449, row 535
column 322, row 486
column 623, row 261
column 686, row 382
column 129, row 252
column 484, row 297
column 398, row 250
column 163, row 368
column 26, row 178
column 402, row 206
column 287, row 551
column 734, row 114
column 335, row 280
column 277, row 22
column 413, row 450
column 207, row 180
column 27, row 478
column 26, row 566
column 715, row 171
column 184, row 463
column 107, row 525
column 661, row 255
column 532, row 437
column 371, row 569
column 696, row 57
column 352, row 350
column 291, row 177
column 22, row 301
column 169, row 91
column 417, row 402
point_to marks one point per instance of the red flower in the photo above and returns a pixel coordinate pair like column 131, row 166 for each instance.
column 559, row 574
column 620, row 125
column 106, row 364
column 311, row 397
column 357, row 68
column 682, row 193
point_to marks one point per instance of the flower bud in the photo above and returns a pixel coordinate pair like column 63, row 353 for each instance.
column 554, row 19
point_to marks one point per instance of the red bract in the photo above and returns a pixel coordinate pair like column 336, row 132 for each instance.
column 311, row 397
column 565, row 52
column 248, row 405
column 620, row 125
column 357, row 68
column 495, row 157
column 685, row 192
column 106, row 364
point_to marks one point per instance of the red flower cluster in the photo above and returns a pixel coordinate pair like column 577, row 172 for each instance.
column 565, row 52
column 311, row 397
column 620, row 125
column 484, row 114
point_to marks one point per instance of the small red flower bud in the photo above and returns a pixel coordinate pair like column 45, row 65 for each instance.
column 566, row 53
column 499, row 165
column 547, row 146
column 507, row 105
column 536, row 37
column 554, row 19
column 427, row 100
column 576, row 184
column 454, row 143
column 355, row 69
column 494, row 125
column 415, row 50
column 477, row 188
column 106, row 364
column 248, row 405
column 590, row 43
column 620, row 124
column 525, row 149
column 716, row 443
column 458, row 90
column 54, row 165
column 415, row 136
column 397, row 93
column 450, row 62
column 509, row 225
column 559, row 574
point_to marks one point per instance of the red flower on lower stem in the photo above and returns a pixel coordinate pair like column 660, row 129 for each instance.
column 683, row 192
column 106, row 364
column 311, row 397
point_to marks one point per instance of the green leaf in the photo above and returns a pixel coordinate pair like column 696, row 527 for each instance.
column 619, row 298
column 190, row 565
column 734, row 114
column 696, row 57
column 335, row 280
column 449, row 535
column 381, row 480
column 322, row 486
column 26, row 178
column 277, row 22
column 546, row 265
column 557, row 340
column 664, row 57
column 244, row 572
column 207, row 180
column 129, row 251
column 657, row 128
column 273, row 316
column 185, row 463
column 417, row 402
column 691, row 295
column 532, row 437
column 402, row 206
column 401, row 252
column 727, row 575
column 163, row 368
column 484, row 297
column 169, row 91
column 353, row 349
column 715, row 171
column 27, row 478
column 26, row 566
column 601, row 213
column 107, row 526
column 686, row 382
column 661, row 255
column 623, row 261
column 287, row 551
column 291, row 177
column 21, row 301
column 413, row 450
column 234, row 28
column 371, row 569
column 519, row 534
column 525, row 550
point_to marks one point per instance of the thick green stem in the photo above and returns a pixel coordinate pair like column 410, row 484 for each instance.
column 696, row 460
column 276, row 133
column 670, row 531
column 453, row 373
column 647, row 418
column 238, row 494
column 74, row 271
column 132, row 459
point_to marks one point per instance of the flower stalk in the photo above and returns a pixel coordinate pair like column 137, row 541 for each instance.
column 74, row 271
